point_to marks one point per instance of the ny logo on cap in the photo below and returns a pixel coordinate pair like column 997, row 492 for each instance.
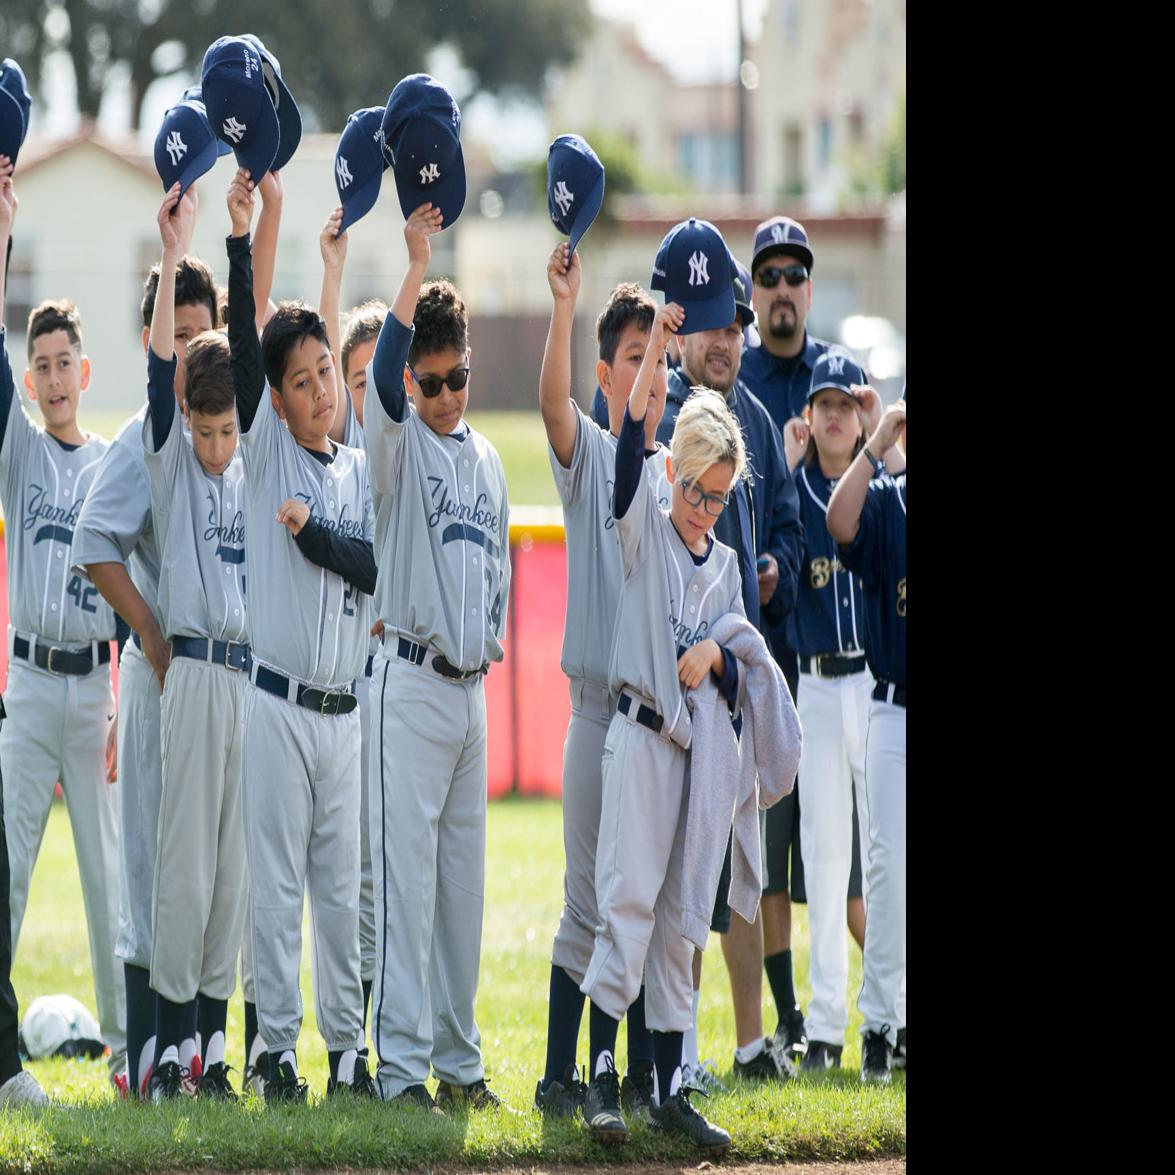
column 836, row 365
column 563, row 197
column 698, row 273
column 176, row 147
column 429, row 174
column 344, row 172
column 235, row 130
column 777, row 233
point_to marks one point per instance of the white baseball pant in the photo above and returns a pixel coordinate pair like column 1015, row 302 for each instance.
column 366, row 884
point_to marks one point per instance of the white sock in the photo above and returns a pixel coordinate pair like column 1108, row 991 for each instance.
column 689, row 1042
column 750, row 1051
column 675, row 1082
column 288, row 1055
column 346, row 1072
column 146, row 1056
column 215, row 1053
column 602, row 1063
column 256, row 1049
column 171, row 1053
column 188, row 1050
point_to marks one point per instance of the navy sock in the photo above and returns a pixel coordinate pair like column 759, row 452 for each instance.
column 779, row 976
column 564, row 1013
column 169, row 1025
column 191, row 1018
column 667, row 1058
column 140, row 1020
column 211, row 1017
column 640, row 1040
column 366, row 1002
column 602, row 1031
column 251, row 1034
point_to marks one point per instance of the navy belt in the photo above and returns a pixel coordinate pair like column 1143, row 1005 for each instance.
column 230, row 654
column 341, row 701
column 644, row 715
column 886, row 691
column 60, row 661
column 832, row 664
column 367, row 670
column 408, row 650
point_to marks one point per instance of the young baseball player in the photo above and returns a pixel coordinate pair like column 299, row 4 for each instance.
column 442, row 531
column 196, row 504
column 677, row 582
column 58, row 696
column 583, row 462
column 310, row 569
column 827, row 629
column 867, row 518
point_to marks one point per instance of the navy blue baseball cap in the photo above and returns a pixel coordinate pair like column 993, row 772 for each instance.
column 15, row 106
column 289, row 117
column 781, row 234
column 742, row 292
column 698, row 275
column 575, row 186
column 836, row 368
column 196, row 94
column 185, row 147
column 238, row 103
column 422, row 139
column 360, row 164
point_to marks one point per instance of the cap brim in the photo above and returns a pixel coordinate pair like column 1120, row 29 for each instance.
column 12, row 126
column 447, row 194
column 289, row 121
column 360, row 200
column 828, row 383
column 587, row 214
column 708, row 313
column 745, row 314
column 196, row 164
column 783, row 248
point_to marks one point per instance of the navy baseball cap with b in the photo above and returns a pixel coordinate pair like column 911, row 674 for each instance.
column 196, row 94
column 698, row 275
column 575, row 186
column 185, row 147
column 238, row 103
column 360, row 164
column 836, row 368
column 15, row 107
column 781, row 234
column 422, row 139
column 289, row 117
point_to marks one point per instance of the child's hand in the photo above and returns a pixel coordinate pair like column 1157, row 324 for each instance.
column 564, row 274
column 697, row 661
column 886, row 434
column 271, row 188
column 293, row 515
column 421, row 225
column 667, row 323
column 331, row 243
column 240, row 202
column 169, row 229
column 8, row 200
column 795, row 440
column 869, row 406
column 185, row 218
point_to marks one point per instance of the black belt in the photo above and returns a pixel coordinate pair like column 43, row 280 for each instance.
column 367, row 670
column 832, row 664
column 644, row 715
column 61, row 660
column 886, row 691
column 319, row 700
column 407, row 650
column 230, row 654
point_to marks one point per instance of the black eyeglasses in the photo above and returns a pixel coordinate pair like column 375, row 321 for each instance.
column 431, row 385
column 768, row 277
column 715, row 503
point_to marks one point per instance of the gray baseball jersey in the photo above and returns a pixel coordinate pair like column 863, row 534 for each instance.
column 305, row 621
column 442, row 532
column 353, row 439
column 667, row 603
column 594, row 574
column 200, row 524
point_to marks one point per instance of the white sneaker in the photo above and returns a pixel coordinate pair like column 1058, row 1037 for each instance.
column 22, row 1090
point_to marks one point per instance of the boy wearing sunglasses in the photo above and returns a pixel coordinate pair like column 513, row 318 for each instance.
column 443, row 549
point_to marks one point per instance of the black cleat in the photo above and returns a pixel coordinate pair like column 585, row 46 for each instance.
column 821, row 1056
column 601, row 1110
column 166, row 1083
column 636, row 1090
column 286, row 1086
column 561, row 1099
column 676, row 1116
column 475, row 1096
column 772, row 1064
column 876, row 1056
column 790, row 1036
column 415, row 1097
column 898, row 1061
column 214, row 1084
column 360, row 1085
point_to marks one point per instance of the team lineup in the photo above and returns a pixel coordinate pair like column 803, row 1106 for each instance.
column 302, row 551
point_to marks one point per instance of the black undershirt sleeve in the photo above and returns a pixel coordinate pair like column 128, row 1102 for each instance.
column 353, row 559
column 244, row 345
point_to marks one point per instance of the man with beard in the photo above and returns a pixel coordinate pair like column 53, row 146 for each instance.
column 763, row 522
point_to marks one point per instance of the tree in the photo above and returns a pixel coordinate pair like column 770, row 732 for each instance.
column 336, row 56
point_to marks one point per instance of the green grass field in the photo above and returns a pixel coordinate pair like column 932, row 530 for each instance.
column 518, row 437
column 827, row 1118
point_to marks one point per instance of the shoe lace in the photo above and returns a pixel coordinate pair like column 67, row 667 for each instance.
column 875, row 1047
column 362, row 1081
column 609, row 1083
column 780, row 1054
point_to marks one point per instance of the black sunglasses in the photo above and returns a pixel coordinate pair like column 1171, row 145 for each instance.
column 431, row 385
column 768, row 277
